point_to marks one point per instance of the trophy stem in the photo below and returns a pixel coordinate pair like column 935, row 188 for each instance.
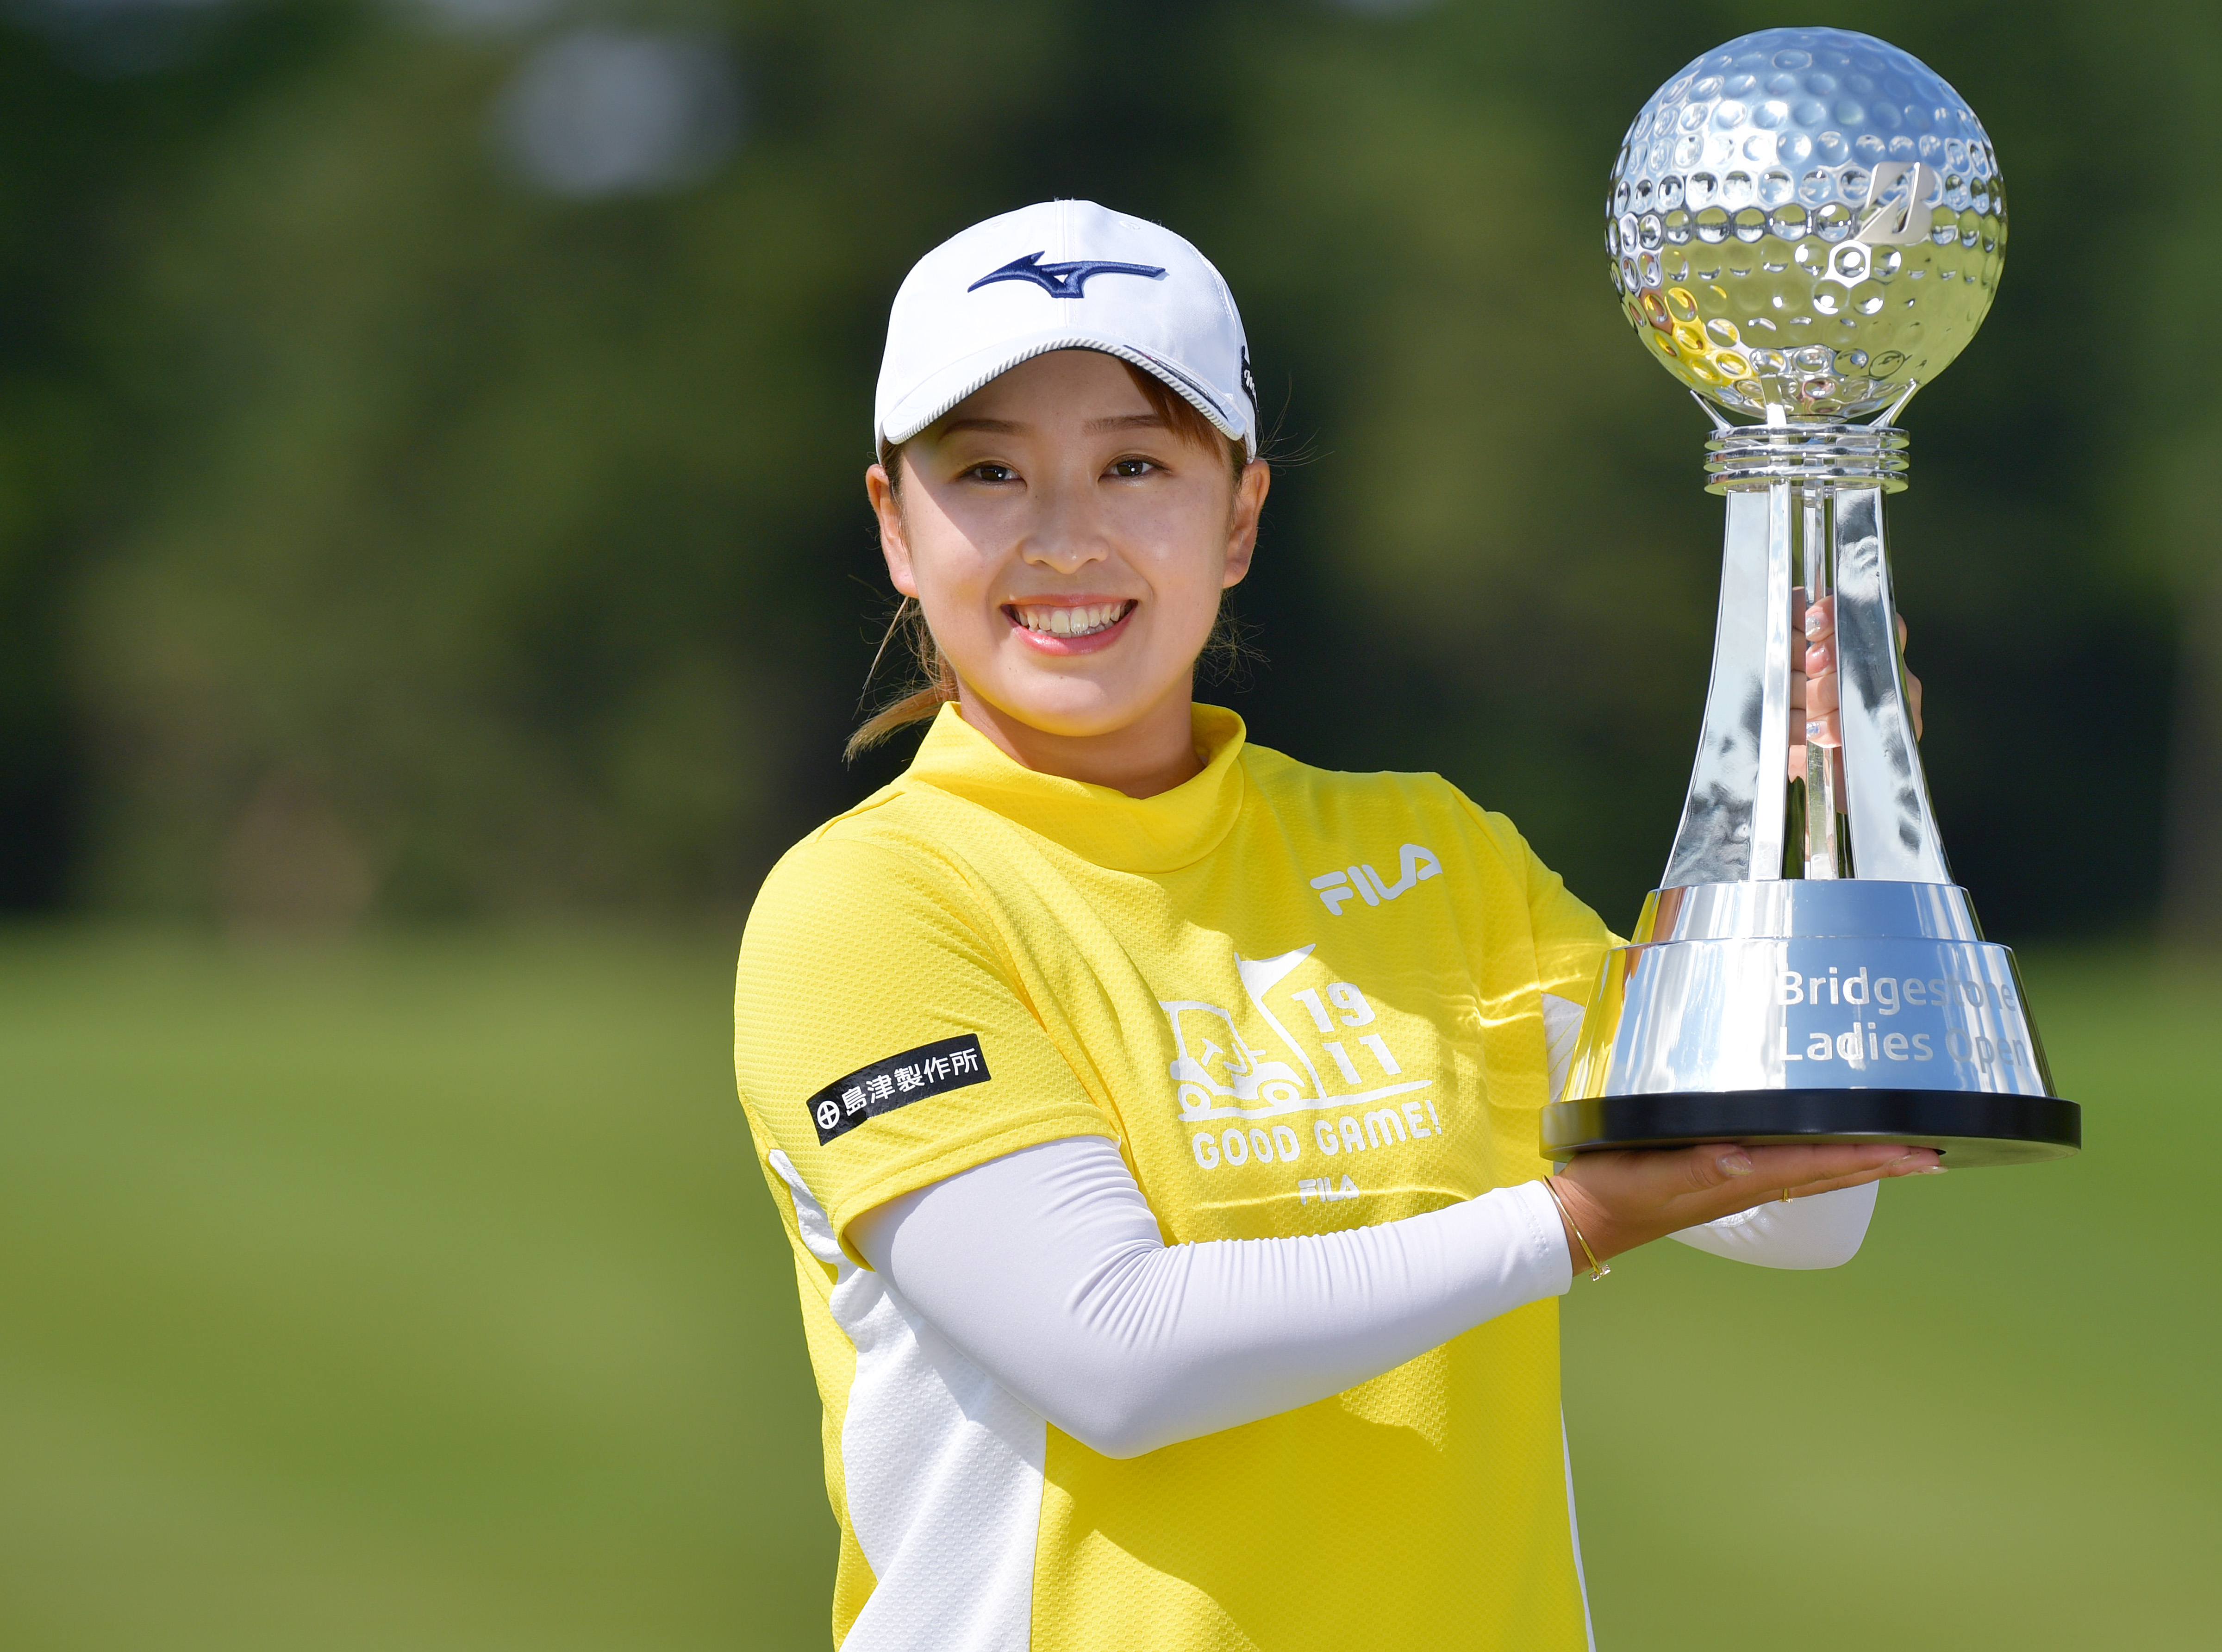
column 1805, row 500
column 1892, row 825
column 1770, row 826
column 1819, row 804
column 1747, row 705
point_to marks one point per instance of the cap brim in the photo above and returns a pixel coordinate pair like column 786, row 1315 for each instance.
column 940, row 391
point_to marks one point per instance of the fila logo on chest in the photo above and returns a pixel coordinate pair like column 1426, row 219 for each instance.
column 1414, row 865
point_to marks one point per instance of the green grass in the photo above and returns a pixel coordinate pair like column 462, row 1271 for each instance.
column 422, row 1295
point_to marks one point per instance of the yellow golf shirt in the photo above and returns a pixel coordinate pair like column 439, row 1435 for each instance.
column 1297, row 1001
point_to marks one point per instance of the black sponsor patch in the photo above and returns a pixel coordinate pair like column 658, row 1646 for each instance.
column 930, row 1069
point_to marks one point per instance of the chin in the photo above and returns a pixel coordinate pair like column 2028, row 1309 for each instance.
column 1074, row 717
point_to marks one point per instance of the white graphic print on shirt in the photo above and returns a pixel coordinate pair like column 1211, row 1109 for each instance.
column 1240, row 1079
column 1414, row 865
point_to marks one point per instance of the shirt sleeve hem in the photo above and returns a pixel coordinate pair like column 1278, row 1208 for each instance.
column 951, row 1157
column 1547, row 1233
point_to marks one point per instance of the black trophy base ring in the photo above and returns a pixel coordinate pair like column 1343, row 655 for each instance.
column 1969, row 1127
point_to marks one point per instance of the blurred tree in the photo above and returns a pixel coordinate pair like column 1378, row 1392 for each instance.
column 497, row 563
column 495, row 539
column 87, row 138
column 2170, row 479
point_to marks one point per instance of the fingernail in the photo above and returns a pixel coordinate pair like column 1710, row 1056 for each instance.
column 1934, row 1170
column 1815, row 730
column 1732, row 1165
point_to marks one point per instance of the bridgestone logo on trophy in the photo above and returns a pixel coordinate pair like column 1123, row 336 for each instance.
column 1805, row 226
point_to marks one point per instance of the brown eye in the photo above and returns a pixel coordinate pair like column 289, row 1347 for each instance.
column 1129, row 469
column 991, row 472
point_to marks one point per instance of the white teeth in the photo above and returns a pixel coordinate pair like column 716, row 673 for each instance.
column 1071, row 622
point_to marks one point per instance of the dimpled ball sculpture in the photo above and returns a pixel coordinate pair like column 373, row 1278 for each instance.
column 1806, row 225
column 1807, row 219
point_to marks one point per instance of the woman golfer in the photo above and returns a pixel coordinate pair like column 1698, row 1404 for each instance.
column 1154, row 1116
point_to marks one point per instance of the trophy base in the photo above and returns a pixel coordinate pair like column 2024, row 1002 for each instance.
column 1968, row 1128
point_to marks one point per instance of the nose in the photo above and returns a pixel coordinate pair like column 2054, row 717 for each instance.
column 1067, row 532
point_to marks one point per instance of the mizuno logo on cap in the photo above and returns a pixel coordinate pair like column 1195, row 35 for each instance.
column 1062, row 281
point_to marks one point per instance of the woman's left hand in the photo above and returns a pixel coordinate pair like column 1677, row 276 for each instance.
column 1613, row 1201
column 1813, row 692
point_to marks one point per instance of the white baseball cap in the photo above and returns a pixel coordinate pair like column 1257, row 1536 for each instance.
column 1063, row 275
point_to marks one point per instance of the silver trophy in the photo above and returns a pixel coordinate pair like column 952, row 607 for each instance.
column 1806, row 225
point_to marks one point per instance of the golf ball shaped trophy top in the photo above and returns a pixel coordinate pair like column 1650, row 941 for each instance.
column 1806, row 225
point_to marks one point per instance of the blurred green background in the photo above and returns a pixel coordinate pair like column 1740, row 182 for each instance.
column 435, row 583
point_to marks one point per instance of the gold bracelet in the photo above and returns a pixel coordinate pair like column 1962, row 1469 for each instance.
column 1597, row 1270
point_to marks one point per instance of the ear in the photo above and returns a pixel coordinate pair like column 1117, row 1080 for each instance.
column 1257, row 481
column 893, row 545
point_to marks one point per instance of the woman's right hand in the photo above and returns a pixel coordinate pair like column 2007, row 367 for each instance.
column 1622, row 1199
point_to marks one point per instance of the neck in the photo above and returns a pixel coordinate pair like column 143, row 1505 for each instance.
column 1153, row 754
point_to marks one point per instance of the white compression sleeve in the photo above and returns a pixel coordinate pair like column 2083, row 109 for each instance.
column 1822, row 1231
column 1046, row 1268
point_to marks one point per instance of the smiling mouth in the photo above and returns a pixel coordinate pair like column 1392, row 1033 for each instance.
column 1085, row 621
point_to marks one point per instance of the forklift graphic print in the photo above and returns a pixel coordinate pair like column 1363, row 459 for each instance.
column 1236, row 1069
column 1218, row 1073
